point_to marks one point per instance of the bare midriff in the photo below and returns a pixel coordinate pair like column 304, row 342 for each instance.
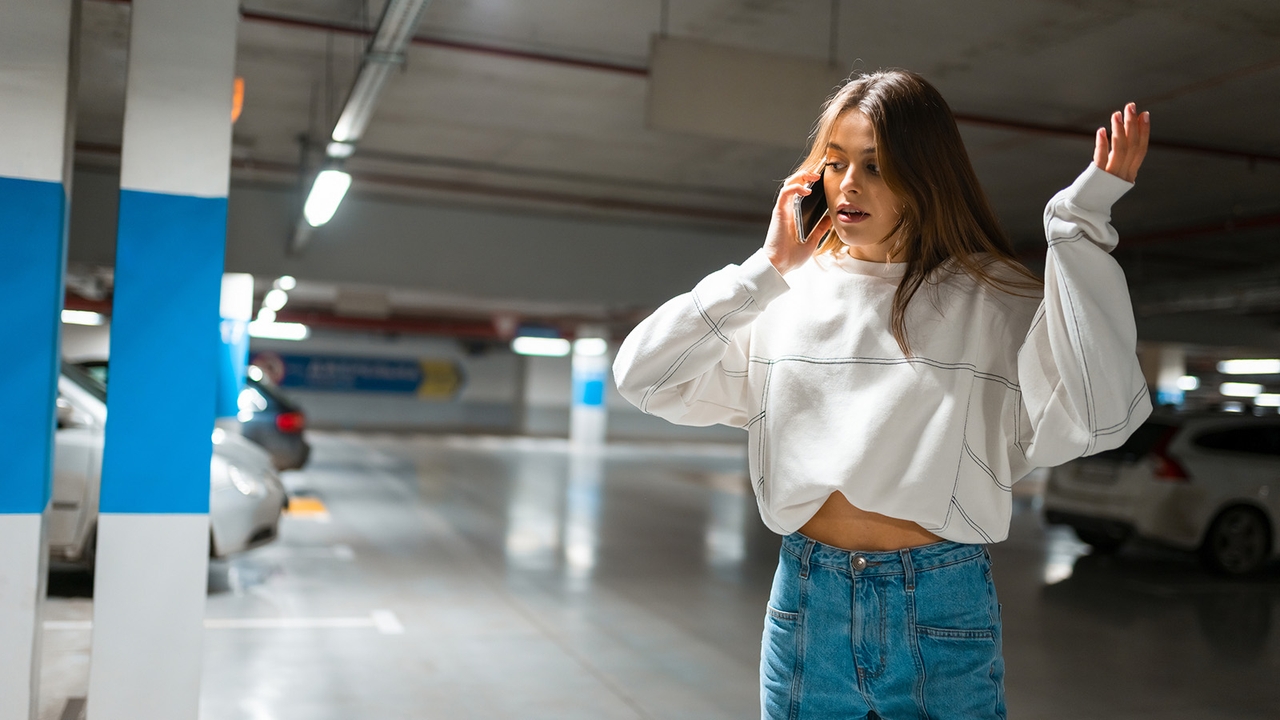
column 839, row 523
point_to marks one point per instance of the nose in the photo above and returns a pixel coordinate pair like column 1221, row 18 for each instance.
column 851, row 181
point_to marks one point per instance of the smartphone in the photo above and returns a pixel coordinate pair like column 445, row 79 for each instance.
column 810, row 209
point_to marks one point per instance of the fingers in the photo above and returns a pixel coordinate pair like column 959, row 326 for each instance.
column 1119, row 144
column 798, row 184
column 1130, row 136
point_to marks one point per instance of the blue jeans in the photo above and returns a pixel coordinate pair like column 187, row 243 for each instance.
column 895, row 635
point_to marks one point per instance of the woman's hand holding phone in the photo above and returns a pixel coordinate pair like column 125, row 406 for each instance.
column 782, row 245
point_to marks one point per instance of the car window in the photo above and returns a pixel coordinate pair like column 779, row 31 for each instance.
column 1141, row 442
column 1257, row 440
column 80, row 377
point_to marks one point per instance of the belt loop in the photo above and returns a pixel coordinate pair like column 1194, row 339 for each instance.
column 908, row 569
column 804, row 559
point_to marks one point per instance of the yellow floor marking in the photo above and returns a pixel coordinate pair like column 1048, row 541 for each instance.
column 306, row 507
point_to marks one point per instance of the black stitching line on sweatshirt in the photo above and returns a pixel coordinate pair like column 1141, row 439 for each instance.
column 982, row 375
column 985, row 467
column 969, row 520
column 1090, row 409
column 707, row 317
column 1122, row 425
column 1082, row 235
column 675, row 364
column 764, row 403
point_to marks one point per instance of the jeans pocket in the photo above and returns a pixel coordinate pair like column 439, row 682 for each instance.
column 781, row 615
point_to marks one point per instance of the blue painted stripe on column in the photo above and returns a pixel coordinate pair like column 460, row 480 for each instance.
column 32, row 252
column 164, row 353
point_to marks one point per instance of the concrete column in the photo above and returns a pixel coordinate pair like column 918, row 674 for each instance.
column 36, row 83
column 153, row 524
column 587, row 414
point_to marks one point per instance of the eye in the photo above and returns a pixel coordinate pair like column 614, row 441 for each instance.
column 836, row 165
column 873, row 168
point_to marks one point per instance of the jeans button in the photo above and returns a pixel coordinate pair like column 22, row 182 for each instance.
column 859, row 562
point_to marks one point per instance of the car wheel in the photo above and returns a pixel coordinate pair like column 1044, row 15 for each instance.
column 1101, row 542
column 1238, row 541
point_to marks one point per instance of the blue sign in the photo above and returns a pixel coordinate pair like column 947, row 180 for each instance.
column 427, row 378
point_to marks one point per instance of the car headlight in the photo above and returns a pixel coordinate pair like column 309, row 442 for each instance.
column 244, row 482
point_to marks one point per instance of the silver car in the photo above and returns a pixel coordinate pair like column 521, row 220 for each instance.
column 245, row 496
column 1206, row 482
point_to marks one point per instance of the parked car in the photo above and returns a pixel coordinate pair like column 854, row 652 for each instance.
column 267, row 417
column 1208, row 482
column 245, row 494
column 274, row 422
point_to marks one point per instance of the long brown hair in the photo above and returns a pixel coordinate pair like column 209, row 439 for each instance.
column 946, row 219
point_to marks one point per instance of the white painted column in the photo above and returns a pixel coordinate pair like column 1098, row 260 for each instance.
column 588, row 415
column 153, row 525
column 1173, row 365
column 36, row 82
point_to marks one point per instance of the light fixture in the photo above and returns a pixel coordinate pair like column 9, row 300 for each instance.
column 590, row 346
column 285, row 282
column 1267, row 400
column 266, row 314
column 275, row 299
column 255, row 373
column 1233, row 389
column 1268, row 366
column 278, row 331
column 81, row 317
column 326, row 194
column 1188, row 382
column 336, row 149
column 542, row 346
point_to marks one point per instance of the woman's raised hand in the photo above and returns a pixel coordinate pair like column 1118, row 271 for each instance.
column 1123, row 155
column 781, row 245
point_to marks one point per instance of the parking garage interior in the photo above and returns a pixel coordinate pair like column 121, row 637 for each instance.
column 427, row 497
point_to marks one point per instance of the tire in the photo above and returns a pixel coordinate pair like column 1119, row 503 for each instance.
column 1101, row 542
column 1238, row 542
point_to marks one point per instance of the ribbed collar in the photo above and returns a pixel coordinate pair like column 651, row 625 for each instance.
column 854, row 266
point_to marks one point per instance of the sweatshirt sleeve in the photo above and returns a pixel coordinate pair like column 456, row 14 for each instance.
column 688, row 361
column 1082, row 389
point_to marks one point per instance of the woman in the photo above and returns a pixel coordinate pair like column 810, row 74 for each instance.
column 895, row 385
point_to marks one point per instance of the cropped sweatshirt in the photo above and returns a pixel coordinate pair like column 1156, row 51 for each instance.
column 996, row 384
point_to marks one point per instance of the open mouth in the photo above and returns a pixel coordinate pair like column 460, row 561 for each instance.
column 851, row 215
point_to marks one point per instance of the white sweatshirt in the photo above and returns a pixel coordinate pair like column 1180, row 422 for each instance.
column 997, row 384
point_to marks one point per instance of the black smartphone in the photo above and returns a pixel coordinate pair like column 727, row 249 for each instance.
column 810, row 209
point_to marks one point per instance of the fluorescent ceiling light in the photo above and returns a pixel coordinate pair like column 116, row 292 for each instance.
column 254, row 372
column 275, row 299
column 546, row 347
column 1240, row 389
column 1267, row 400
column 337, row 149
column 286, row 282
column 590, row 346
column 1188, row 382
column 278, row 331
column 1249, row 367
column 81, row 317
column 266, row 315
column 326, row 194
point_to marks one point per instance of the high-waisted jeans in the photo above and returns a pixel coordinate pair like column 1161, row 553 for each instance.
column 910, row 633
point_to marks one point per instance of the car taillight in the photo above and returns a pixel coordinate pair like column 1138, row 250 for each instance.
column 1166, row 468
column 291, row 422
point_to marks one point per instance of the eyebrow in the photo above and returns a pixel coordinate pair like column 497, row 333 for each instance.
column 837, row 148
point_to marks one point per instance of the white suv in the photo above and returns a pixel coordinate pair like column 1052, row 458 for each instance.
column 1198, row 482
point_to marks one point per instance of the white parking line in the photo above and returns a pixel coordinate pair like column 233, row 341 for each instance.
column 384, row 621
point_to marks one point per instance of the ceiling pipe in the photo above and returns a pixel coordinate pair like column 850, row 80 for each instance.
column 385, row 52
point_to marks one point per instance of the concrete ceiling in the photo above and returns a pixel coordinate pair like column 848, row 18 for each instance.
column 543, row 102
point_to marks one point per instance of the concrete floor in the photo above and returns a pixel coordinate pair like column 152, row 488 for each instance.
column 506, row 578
